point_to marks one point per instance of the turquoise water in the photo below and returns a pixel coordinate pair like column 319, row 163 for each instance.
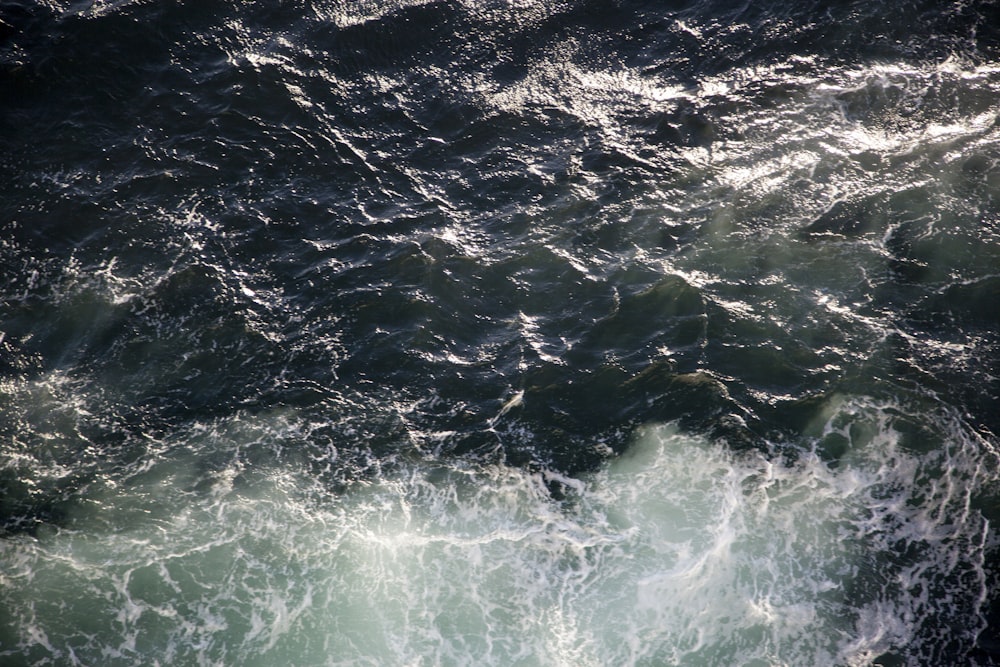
column 679, row 552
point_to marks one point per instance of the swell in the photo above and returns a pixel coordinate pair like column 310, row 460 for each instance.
column 501, row 233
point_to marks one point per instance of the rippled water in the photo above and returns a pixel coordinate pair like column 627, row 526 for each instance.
column 499, row 333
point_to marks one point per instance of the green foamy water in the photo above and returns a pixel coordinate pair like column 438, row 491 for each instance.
column 680, row 552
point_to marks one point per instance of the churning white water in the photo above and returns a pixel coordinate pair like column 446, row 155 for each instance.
column 680, row 552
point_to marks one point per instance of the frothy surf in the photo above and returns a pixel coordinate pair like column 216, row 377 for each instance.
column 679, row 552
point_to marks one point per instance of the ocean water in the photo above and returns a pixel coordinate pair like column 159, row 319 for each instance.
column 500, row 332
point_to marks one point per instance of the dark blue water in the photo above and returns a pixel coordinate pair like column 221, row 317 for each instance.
column 537, row 333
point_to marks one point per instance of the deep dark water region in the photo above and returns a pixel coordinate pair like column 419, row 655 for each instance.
column 500, row 333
